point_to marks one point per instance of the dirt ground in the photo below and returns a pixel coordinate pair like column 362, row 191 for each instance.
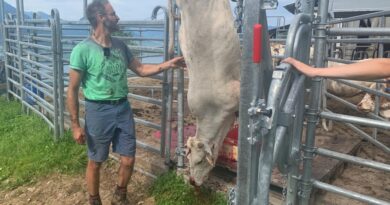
column 71, row 190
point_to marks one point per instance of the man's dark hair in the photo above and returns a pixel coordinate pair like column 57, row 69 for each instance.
column 96, row 7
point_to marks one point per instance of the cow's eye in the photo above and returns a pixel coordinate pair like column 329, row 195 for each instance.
column 198, row 162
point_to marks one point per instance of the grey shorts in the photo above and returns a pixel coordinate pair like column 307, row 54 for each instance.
column 107, row 124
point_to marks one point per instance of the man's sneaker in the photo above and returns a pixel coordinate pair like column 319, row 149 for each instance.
column 95, row 200
column 120, row 197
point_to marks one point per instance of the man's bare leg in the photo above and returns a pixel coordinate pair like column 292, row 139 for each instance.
column 92, row 177
column 124, row 174
column 125, row 170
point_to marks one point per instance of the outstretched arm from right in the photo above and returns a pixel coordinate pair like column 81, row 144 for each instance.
column 75, row 77
column 370, row 69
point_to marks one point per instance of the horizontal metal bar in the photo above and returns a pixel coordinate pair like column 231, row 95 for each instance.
column 35, row 21
column 360, row 40
column 74, row 28
column 157, row 87
column 148, row 24
column 39, row 100
column 348, row 193
column 49, row 48
column 360, row 17
column 158, row 55
column 147, row 49
column 37, row 55
column 352, row 106
column 144, row 30
column 278, row 56
column 147, row 147
column 69, row 23
column 363, row 88
column 29, row 44
column 145, row 99
column 14, row 82
column 29, row 27
column 356, row 120
column 359, row 31
column 277, row 40
column 339, row 60
column 367, row 137
column 353, row 159
column 42, row 39
column 139, row 38
column 37, row 82
column 37, row 64
column 75, row 36
column 16, row 70
column 147, row 123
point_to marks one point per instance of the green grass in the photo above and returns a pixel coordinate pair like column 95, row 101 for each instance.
column 170, row 189
column 28, row 151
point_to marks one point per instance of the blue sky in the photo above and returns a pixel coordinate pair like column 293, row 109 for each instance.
column 126, row 9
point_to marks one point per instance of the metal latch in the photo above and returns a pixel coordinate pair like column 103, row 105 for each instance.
column 270, row 4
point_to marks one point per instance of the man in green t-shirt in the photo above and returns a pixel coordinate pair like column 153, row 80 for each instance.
column 99, row 65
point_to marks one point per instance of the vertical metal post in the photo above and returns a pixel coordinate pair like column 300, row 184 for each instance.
column 165, row 89
column 2, row 16
column 180, row 107
column 19, row 54
column 313, row 110
column 170, row 77
column 55, row 76
column 294, row 158
column 4, row 34
column 254, row 84
column 377, row 100
column 21, row 3
column 85, row 4
column 247, row 155
column 60, row 70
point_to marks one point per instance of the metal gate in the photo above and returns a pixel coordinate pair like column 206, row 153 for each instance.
column 272, row 113
column 33, row 65
column 37, row 55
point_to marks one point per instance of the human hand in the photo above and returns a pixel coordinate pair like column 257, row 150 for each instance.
column 177, row 62
column 78, row 135
column 301, row 67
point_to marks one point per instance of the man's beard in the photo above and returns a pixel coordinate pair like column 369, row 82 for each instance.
column 111, row 26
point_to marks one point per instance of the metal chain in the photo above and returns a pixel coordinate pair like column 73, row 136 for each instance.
column 284, row 186
column 238, row 11
column 232, row 196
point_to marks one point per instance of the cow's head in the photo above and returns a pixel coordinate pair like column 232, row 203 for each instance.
column 201, row 159
column 368, row 105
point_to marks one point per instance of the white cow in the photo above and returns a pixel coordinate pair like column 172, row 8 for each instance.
column 211, row 48
column 367, row 104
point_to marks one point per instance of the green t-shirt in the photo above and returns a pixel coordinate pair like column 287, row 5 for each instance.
column 104, row 76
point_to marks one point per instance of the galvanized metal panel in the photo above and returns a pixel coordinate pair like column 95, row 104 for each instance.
column 348, row 8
